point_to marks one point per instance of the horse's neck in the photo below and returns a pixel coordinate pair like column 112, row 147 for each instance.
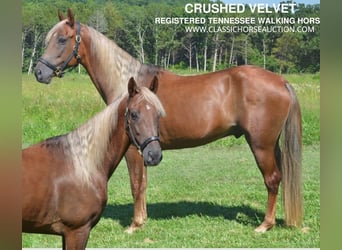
column 108, row 66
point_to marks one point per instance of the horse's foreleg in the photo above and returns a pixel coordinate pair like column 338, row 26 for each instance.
column 267, row 163
column 76, row 239
column 138, row 178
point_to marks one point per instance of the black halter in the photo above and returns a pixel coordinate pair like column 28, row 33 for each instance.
column 58, row 70
column 143, row 145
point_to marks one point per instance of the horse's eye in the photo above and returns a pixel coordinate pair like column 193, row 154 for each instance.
column 134, row 115
column 62, row 40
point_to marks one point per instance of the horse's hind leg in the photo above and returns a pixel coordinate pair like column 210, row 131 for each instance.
column 267, row 157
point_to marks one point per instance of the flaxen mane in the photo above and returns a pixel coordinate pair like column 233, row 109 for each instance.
column 89, row 143
column 117, row 62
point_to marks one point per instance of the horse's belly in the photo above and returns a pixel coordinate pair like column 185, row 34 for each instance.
column 189, row 135
column 196, row 124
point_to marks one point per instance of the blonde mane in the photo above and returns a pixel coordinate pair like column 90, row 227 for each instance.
column 114, row 64
column 89, row 143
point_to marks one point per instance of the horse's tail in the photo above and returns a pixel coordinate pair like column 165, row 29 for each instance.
column 291, row 160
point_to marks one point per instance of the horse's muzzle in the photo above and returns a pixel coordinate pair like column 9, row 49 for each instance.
column 152, row 155
column 41, row 77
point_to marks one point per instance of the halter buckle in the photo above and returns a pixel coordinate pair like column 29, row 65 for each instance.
column 59, row 72
column 78, row 38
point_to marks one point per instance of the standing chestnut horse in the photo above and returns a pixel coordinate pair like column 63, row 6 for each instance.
column 244, row 100
column 64, row 178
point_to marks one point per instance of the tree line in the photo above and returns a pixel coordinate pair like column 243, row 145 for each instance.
column 131, row 24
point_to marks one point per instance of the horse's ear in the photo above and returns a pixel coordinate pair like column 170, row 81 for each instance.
column 71, row 18
column 133, row 88
column 60, row 15
column 154, row 84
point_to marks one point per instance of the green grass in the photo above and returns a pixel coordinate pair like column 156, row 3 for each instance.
column 209, row 196
column 57, row 108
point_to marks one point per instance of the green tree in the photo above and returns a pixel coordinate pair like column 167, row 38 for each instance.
column 114, row 19
column 98, row 21
column 286, row 52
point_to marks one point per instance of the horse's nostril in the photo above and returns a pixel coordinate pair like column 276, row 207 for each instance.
column 38, row 72
column 150, row 156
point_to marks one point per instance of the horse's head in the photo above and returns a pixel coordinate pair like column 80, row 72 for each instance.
column 142, row 120
column 63, row 49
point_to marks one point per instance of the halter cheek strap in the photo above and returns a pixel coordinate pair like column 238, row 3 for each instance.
column 59, row 70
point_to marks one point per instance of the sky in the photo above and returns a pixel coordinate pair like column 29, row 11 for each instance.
column 271, row 1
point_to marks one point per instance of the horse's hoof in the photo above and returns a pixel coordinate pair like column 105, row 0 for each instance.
column 132, row 228
column 260, row 229
column 263, row 227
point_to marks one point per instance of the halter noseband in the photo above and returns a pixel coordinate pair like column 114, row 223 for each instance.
column 143, row 145
column 58, row 70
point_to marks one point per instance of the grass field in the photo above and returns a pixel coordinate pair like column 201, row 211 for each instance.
column 209, row 196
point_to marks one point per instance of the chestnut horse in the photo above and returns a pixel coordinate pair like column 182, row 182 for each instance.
column 64, row 178
column 245, row 100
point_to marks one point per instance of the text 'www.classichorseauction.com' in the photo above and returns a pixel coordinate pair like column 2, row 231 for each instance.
column 241, row 24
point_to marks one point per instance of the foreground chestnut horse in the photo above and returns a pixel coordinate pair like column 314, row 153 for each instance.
column 244, row 100
column 64, row 178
